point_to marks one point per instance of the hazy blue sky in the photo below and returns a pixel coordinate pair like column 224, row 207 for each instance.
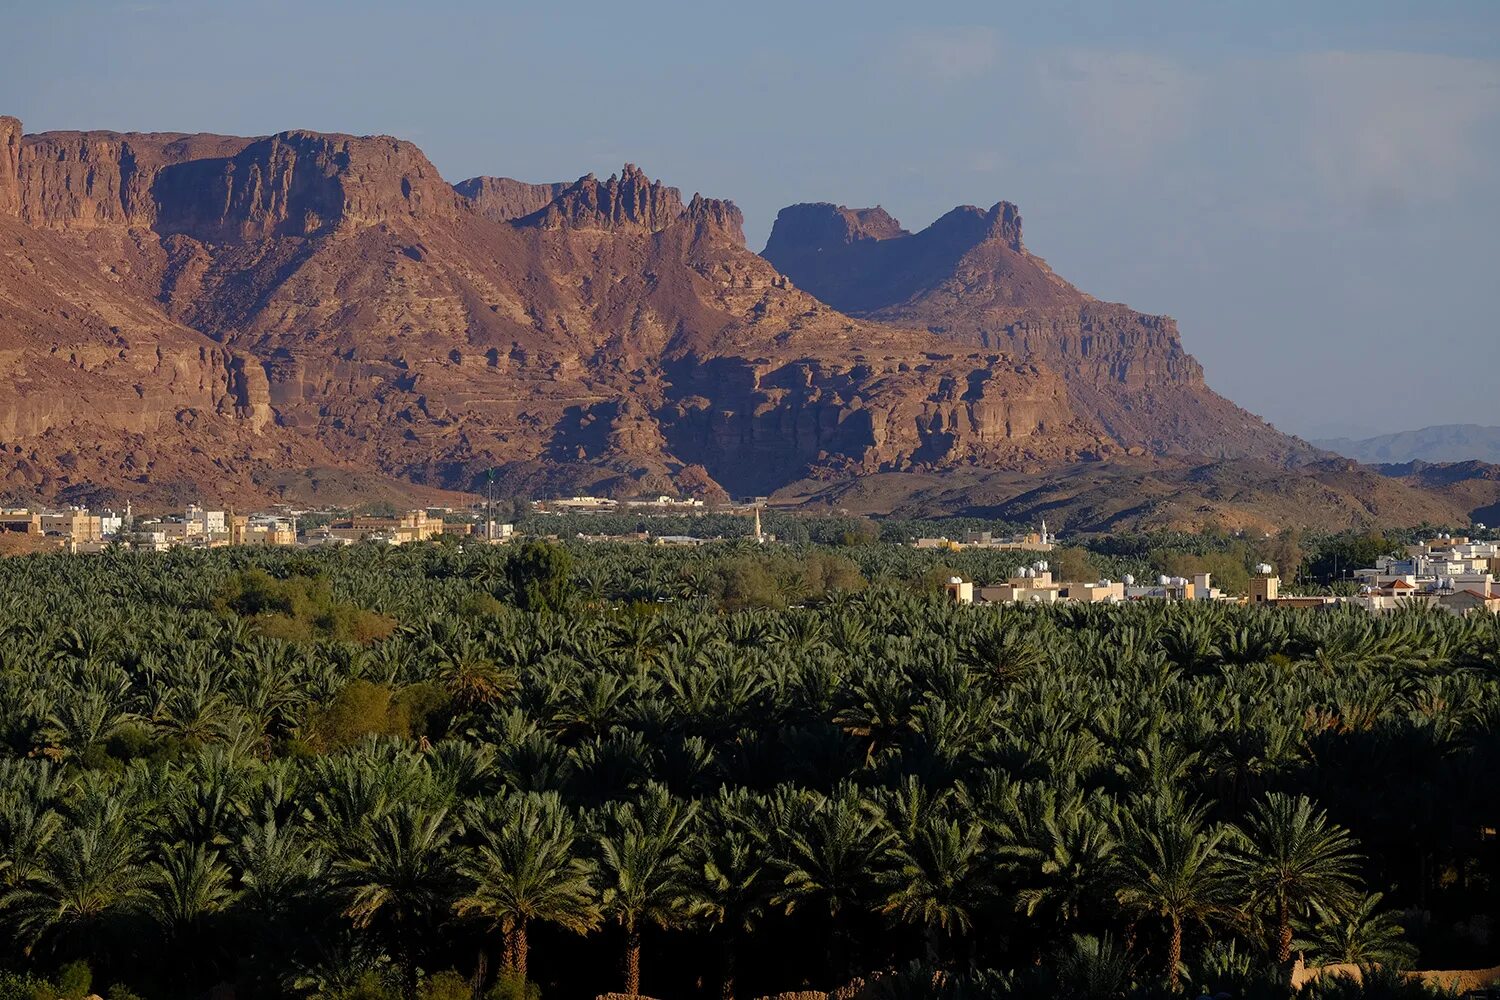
column 1310, row 188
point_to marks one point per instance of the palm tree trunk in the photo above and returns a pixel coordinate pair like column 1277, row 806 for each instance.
column 726, row 967
column 518, row 949
column 934, row 945
column 481, row 969
column 1283, row 932
column 1174, row 954
column 632, row 962
column 408, row 973
column 838, row 956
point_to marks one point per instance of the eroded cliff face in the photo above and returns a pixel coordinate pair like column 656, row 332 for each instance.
column 627, row 202
column 225, row 190
column 210, row 306
column 747, row 422
column 10, row 166
column 970, row 279
column 501, row 199
column 99, row 387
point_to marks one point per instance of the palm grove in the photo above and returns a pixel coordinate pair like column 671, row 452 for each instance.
column 439, row 772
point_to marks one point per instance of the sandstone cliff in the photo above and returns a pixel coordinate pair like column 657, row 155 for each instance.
column 612, row 337
column 206, row 309
column 10, row 166
column 969, row 278
column 502, row 199
column 221, row 189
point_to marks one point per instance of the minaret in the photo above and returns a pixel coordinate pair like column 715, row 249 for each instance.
column 759, row 538
column 1044, row 531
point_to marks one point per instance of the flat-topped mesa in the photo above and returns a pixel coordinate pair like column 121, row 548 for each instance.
column 221, row 189
column 299, row 184
column 502, row 199
column 10, row 166
column 628, row 201
column 817, row 225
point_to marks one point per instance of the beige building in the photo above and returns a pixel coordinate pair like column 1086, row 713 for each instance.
column 77, row 525
column 1264, row 588
column 1093, row 593
column 959, row 590
column 413, row 526
column 1465, row 601
column 21, row 522
column 1030, row 586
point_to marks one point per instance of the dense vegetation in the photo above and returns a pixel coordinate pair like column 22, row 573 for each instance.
column 727, row 771
column 1308, row 561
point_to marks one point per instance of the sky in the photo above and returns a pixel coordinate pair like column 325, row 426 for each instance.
column 1309, row 188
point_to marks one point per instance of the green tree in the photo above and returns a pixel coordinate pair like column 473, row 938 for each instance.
column 645, row 878
column 728, row 880
column 537, row 572
column 86, row 874
column 400, row 879
column 1174, row 868
column 939, row 881
column 1357, row 931
column 831, row 863
column 1291, row 857
column 525, row 868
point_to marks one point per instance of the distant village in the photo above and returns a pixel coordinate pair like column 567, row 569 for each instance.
column 1448, row 572
column 79, row 530
column 1452, row 573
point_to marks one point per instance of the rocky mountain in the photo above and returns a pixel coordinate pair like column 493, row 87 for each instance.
column 614, row 338
column 969, row 279
column 265, row 317
column 1440, row 443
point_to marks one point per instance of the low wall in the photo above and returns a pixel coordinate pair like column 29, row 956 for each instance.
column 1461, row 980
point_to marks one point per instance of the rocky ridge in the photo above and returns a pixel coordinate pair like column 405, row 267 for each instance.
column 229, row 307
column 969, row 279
column 612, row 338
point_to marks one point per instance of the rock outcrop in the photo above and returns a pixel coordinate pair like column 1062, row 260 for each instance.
column 10, row 166
column 501, row 199
column 226, row 190
column 969, row 278
column 628, row 202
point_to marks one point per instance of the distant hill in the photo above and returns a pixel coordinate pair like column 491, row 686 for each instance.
column 1443, row 443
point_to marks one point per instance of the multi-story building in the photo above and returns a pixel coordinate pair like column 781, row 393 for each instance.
column 75, row 524
column 1437, row 571
column 413, row 526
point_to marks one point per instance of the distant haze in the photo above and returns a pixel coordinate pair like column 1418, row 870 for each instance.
column 1446, row 443
column 1308, row 188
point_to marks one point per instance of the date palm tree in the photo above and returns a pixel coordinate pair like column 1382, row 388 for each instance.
column 939, row 881
column 85, row 874
column 1174, row 868
column 729, row 879
column 1358, row 931
column 400, row 878
column 644, row 876
column 831, row 862
column 186, row 888
column 1291, row 857
column 526, row 868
